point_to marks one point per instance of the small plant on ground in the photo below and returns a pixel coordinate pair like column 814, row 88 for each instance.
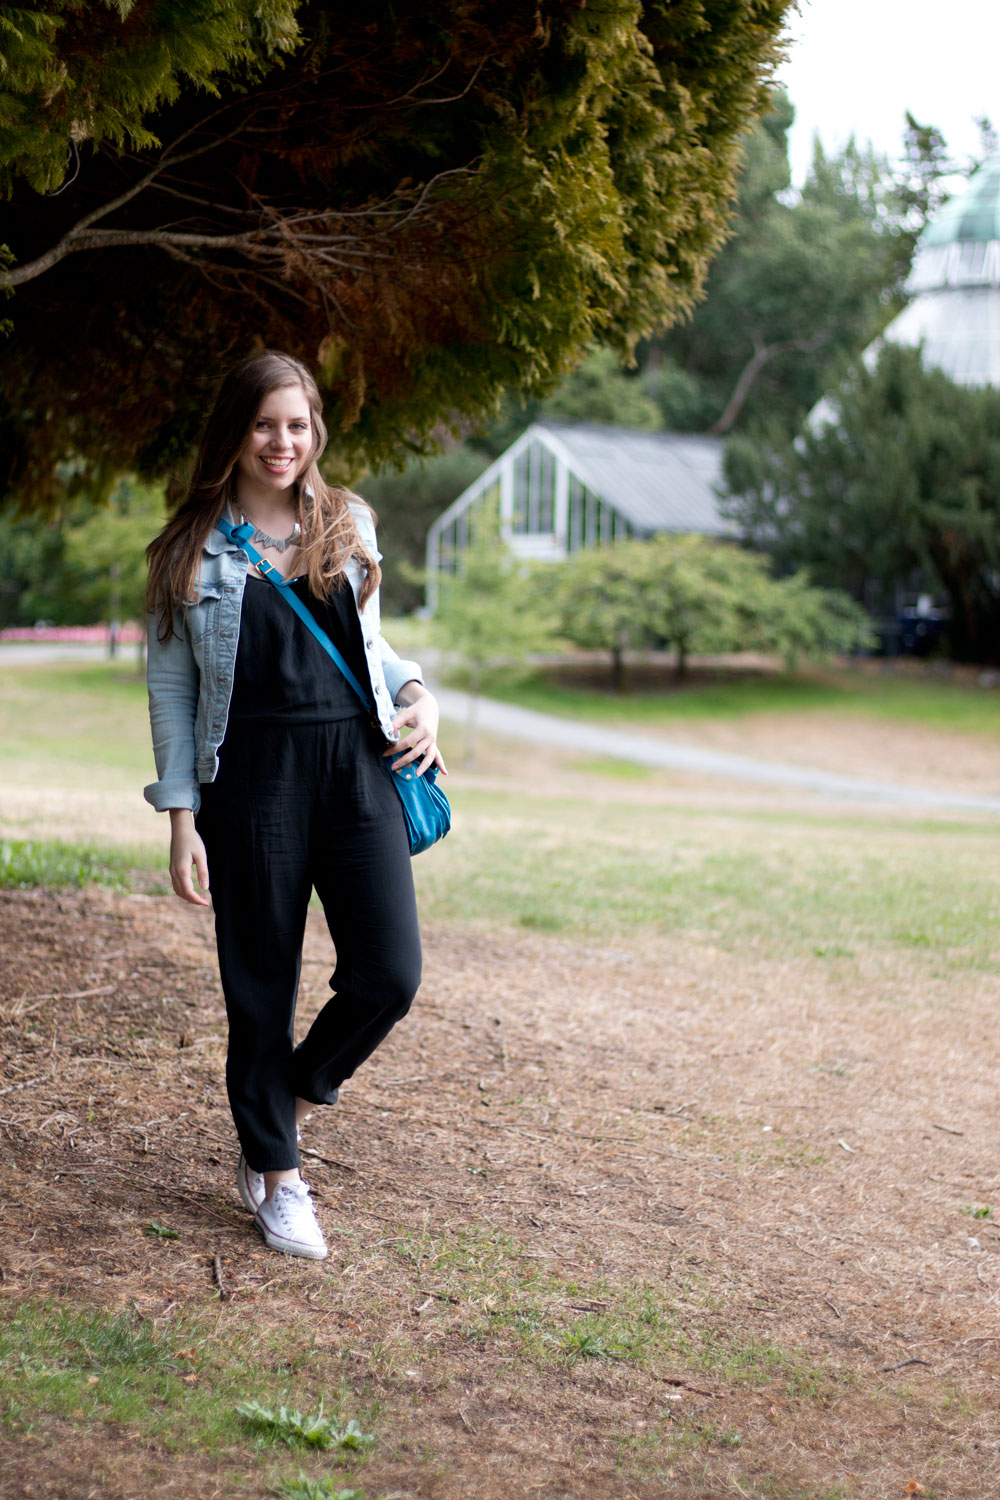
column 583, row 1343
column 304, row 1488
column 316, row 1431
column 160, row 1231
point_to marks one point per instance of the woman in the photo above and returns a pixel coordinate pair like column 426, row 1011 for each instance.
column 271, row 771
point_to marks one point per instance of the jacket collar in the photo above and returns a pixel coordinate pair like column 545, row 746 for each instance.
column 216, row 542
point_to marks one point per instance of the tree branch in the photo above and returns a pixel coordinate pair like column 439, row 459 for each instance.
column 331, row 242
column 748, row 376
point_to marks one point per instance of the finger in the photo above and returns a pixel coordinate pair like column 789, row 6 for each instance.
column 201, row 868
column 184, row 887
column 404, row 755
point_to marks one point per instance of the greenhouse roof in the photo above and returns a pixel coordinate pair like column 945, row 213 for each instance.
column 659, row 481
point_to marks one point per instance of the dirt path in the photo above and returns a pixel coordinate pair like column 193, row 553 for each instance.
column 781, row 1153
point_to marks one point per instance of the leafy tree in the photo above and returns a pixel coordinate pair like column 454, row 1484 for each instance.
column 905, row 481
column 407, row 502
column 105, row 553
column 432, row 204
column 84, row 568
column 601, row 599
column 800, row 286
column 599, row 390
column 694, row 594
column 32, row 548
column 490, row 616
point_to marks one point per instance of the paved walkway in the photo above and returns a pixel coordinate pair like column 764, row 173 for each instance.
column 591, row 739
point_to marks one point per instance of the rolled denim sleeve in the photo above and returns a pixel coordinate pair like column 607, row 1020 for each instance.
column 172, row 680
column 397, row 669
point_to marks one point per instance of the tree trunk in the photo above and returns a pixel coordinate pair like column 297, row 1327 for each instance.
column 471, row 725
column 619, row 679
column 748, row 376
column 681, row 665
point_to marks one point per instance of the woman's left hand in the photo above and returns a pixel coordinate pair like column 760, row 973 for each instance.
column 419, row 715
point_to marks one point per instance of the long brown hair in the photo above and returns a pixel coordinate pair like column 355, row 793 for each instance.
column 329, row 535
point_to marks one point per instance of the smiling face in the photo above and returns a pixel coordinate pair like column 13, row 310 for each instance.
column 279, row 447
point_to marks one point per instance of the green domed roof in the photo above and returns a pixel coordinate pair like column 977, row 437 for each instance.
column 960, row 247
column 971, row 215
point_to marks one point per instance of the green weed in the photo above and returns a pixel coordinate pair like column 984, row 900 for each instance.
column 316, row 1431
column 982, row 1212
column 585, row 1343
column 304, row 1488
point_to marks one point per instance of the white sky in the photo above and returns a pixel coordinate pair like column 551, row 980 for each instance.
column 858, row 65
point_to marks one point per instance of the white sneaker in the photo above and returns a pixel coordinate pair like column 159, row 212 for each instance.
column 250, row 1185
column 287, row 1220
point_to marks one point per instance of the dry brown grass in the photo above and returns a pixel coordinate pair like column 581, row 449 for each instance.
column 776, row 1151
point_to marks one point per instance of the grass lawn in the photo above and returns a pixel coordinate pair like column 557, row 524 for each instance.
column 875, row 692
column 679, row 1181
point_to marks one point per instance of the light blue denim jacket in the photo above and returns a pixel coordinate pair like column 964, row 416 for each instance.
column 190, row 676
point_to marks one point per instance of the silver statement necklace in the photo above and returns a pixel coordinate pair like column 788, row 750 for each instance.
column 279, row 543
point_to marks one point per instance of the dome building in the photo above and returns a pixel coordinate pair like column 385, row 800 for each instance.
column 954, row 283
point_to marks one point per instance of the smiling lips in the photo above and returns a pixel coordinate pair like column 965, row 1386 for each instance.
column 278, row 465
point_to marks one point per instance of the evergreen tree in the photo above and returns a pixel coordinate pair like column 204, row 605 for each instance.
column 77, row 77
column 903, row 484
column 800, row 287
column 434, row 205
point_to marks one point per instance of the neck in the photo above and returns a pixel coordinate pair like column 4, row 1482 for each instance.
column 266, row 508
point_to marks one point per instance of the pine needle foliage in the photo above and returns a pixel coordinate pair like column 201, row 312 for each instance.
column 432, row 205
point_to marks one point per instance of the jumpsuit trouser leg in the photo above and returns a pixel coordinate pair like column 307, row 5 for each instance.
column 295, row 808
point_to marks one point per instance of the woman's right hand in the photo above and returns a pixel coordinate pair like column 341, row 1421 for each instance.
column 187, row 849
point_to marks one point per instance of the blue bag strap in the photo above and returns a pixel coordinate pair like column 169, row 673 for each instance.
column 241, row 535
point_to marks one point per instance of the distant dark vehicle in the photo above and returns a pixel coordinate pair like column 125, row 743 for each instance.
column 917, row 630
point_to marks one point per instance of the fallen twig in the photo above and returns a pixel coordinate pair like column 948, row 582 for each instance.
column 101, row 989
column 698, row 1390
column 224, row 1293
column 328, row 1161
column 27, row 1084
column 947, row 1129
column 901, row 1364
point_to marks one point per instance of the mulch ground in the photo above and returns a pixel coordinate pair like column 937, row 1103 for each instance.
column 781, row 1149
